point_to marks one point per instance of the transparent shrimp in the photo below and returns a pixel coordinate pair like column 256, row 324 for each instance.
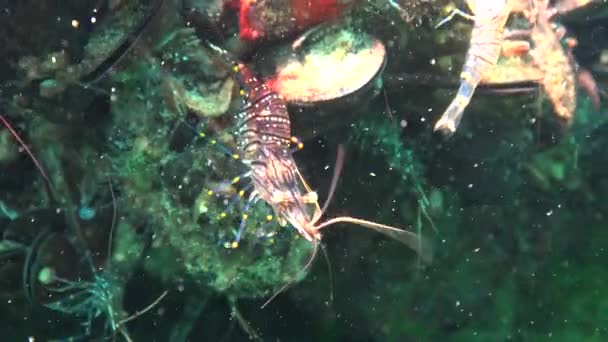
column 485, row 47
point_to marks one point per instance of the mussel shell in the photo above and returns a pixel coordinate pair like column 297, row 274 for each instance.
column 308, row 121
column 328, row 78
column 329, row 63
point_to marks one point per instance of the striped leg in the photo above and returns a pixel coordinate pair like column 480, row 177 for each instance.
column 239, row 233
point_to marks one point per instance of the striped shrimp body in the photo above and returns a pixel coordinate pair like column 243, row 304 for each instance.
column 263, row 135
column 485, row 48
column 264, row 143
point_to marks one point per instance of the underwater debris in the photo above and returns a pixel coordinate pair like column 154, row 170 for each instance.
column 108, row 43
column 556, row 167
column 91, row 288
column 211, row 102
column 192, row 85
column 271, row 19
column 565, row 7
column 71, row 223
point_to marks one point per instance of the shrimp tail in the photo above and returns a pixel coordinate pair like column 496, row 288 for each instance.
column 449, row 121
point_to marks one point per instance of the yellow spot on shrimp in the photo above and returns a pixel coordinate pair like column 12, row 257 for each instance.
column 298, row 142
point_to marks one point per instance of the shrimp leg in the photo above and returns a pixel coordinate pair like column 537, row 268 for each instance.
column 453, row 13
column 239, row 233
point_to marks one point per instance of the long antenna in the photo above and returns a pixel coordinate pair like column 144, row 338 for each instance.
column 331, row 277
column 30, row 154
column 114, row 217
column 334, row 182
column 413, row 241
column 293, row 280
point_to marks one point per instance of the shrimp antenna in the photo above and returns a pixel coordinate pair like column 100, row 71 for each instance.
column 332, row 189
column 29, row 152
column 331, row 277
column 295, row 278
column 114, row 218
column 144, row 310
column 334, row 183
column 408, row 238
column 413, row 241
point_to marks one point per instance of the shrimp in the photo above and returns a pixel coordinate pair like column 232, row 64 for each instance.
column 559, row 79
column 489, row 19
column 263, row 137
